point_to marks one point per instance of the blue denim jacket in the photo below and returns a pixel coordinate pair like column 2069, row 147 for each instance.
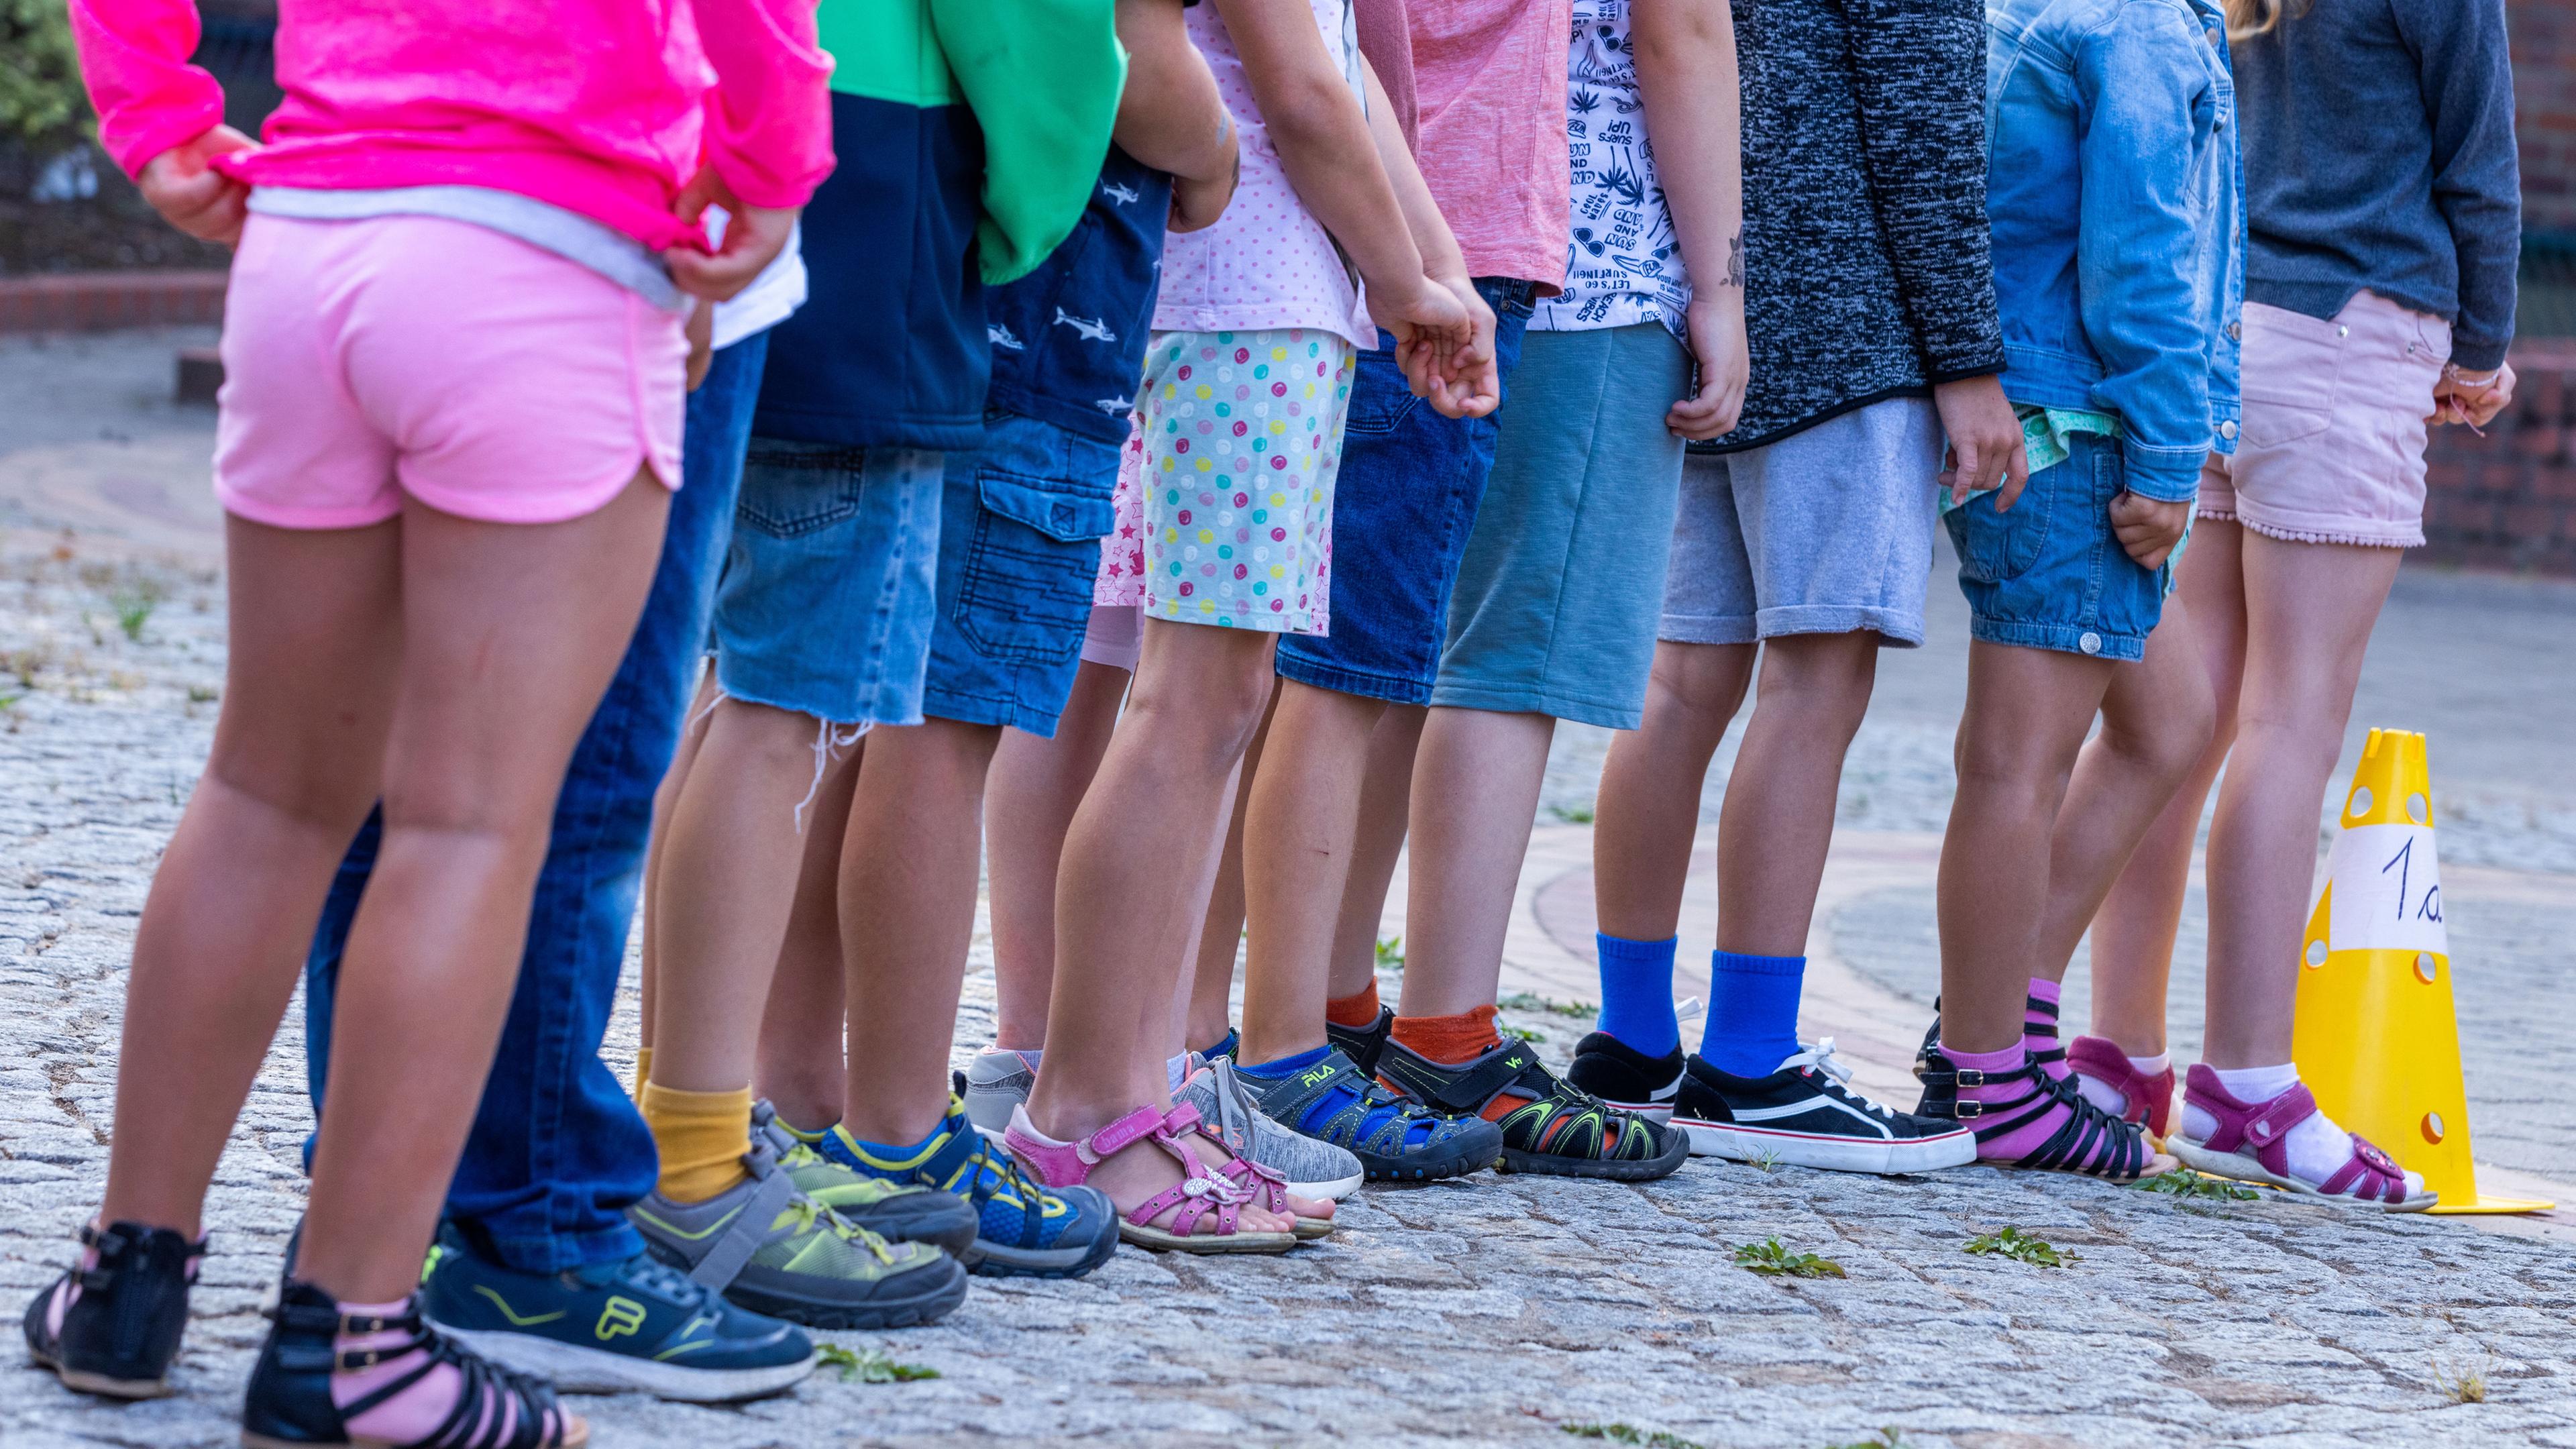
column 2115, row 190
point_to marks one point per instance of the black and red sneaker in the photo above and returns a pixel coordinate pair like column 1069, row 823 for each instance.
column 1548, row 1126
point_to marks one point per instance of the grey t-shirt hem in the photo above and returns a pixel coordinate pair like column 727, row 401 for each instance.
column 541, row 224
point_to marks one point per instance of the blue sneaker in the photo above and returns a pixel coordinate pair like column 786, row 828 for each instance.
column 614, row 1327
column 1022, row 1229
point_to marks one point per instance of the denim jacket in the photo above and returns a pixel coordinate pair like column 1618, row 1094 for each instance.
column 2115, row 191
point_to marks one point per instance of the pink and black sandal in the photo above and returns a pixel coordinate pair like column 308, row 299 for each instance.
column 2251, row 1142
column 1200, row 1192
column 2150, row 1099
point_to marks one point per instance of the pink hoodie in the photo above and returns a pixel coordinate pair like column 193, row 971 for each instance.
column 602, row 107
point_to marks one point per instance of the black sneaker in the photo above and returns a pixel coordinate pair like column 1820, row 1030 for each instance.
column 1805, row 1115
column 1555, row 1129
column 1625, row 1077
column 114, row 1328
column 1363, row 1044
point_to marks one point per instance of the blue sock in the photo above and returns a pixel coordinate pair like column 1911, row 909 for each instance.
column 1285, row 1066
column 1637, row 994
column 1331, row 1103
column 1752, row 1012
column 1225, row 1045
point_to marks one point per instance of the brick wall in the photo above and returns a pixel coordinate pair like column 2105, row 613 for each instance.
column 2508, row 500
column 2544, row 87
column 98, row 301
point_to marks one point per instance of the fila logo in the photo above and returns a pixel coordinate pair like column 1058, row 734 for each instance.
column 621, row 1316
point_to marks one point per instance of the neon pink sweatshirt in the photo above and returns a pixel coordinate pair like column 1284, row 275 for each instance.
column 602, row 107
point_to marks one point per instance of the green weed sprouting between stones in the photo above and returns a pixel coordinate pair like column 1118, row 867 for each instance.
column 871, row 1366
column 2462, row 1383
column 1390, row 953
column 1521, row 1033
column 1888, row 1438
column 1631, row 1434
column 1770, row 1259
column 2015, row 1244
column 1531, row 1001
column 1768, row 1160
column 2184, row 1183
column 134, row 609
column 1572, row 814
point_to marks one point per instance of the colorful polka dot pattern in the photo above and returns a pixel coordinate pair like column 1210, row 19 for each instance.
column 1225, row 490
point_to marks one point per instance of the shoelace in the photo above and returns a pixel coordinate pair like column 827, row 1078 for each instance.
column 1820, row 1058
column 1031, row 1196
column 810, row 1214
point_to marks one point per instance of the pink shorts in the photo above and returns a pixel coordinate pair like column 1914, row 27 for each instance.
column 2331, row 449
column 410, row 354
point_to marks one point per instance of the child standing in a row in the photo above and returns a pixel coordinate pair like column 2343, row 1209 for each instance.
column 455, row 363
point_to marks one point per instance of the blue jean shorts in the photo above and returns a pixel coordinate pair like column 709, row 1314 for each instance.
column 2049, row 574
column 829, row 586
column 1019, row 541
column 1410, row 483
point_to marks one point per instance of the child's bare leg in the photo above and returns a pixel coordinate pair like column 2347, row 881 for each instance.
column 1476, row 782
column 1778, row 819
column 2157, row 718
column 1157, row 811
column 2309, row 608
column 1648, row 814
column 907, row 905
column 2133, row 932
column 1206, row 1008
column 666, row 797
column 510, row 635
column 1032, row 792
column 798, row 1060
column 1377, row 847
column 316, row 640
column 2028, row 711
column 729, row 870
column 1299, row 826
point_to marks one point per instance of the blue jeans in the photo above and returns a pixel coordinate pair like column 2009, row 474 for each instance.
column 1406, row 500
column 558, row 1151
column 1019, row 543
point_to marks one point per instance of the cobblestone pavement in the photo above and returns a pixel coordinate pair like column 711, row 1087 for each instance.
column 1500, row 1311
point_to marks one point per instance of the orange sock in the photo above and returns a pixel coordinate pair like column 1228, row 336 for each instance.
column 1358, row 1009
column 1451, row 1040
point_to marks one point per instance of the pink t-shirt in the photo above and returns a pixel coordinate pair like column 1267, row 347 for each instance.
column 1490, row 78
column 1267, row 262
column 601, row 107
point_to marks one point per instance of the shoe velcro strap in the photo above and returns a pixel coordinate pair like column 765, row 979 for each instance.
column 955, row 1155
column 1470, row 1090
column 1131, row 1129
column 2272, row 1125
column 744, row 1236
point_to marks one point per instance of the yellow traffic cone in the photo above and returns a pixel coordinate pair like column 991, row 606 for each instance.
column 2377, row 1039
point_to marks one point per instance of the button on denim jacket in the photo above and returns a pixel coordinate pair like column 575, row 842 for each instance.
column 2115, row 191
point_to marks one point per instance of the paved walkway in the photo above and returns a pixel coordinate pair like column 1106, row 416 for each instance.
column 1498, row 1311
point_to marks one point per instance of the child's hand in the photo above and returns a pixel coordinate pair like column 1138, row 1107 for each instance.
column 1465, row 383
column 1198, row 203
column 1986, row 449
column 2148, row 527
column 1716, row 327
column 191, row 195
column 753, row 238
column 1428, row 323
column 2472, row 400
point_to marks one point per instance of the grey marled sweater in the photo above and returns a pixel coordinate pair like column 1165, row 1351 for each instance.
column 1867, row 272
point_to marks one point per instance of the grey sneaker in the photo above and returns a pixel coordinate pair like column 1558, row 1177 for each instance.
column 1313, row 1169
column 770, row 1248
column 993, row 1084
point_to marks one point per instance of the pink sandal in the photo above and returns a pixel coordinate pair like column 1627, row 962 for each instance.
column 2150, row 1099
column 1199, row 1192
column 1264, row 1187
column 2252, row 1142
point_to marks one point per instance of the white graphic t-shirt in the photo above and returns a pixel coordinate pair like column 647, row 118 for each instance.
column 1623, row 266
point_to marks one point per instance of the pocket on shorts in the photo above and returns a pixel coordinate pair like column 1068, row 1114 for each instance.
column 793, row 489
column 1997, row 546
column 2291, row 370
column 1029, row 569
column 1380, row 398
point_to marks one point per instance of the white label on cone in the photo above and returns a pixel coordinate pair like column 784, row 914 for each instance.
column 2387, row 891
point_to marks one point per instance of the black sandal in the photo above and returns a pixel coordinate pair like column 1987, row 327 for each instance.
column 289, row 1405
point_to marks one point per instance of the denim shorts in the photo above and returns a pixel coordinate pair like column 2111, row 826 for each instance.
column 1562, row 581
column 2049, row 574
column 1411, row 480
column 829, row 585
column 1019, row 540
column 1826, row 531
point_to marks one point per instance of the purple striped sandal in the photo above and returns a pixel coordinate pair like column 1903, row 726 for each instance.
column 2251, row 1142
column 1200, row 1192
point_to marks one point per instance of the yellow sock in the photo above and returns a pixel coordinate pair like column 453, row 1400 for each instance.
column 701, row 1136
column 643, row 1071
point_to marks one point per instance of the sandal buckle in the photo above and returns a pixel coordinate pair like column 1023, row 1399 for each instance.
column 1964, row 1110
column 1969, row 1077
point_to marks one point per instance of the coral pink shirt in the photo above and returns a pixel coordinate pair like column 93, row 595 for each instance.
column 602, row 107
column 1490, row 79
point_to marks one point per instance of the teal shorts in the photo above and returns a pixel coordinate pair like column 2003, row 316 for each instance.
column 1562, row 582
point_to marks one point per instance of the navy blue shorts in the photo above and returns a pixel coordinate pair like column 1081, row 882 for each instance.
column 1402, row 509
column 1019, row 541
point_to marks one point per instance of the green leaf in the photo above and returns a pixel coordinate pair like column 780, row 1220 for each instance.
column 871, row 1366
column 1772, row 1260
column 2022, row 1247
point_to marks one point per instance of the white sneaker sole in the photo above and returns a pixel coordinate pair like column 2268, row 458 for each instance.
column 1335, row 1190
column 2246, row 1169
column 1833, row 1154
column 579, row 1370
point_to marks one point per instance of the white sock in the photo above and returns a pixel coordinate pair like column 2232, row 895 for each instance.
column 1178, row 1069
column 2317, row 1148
column 2102, row 1094
column 2152, row 1067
